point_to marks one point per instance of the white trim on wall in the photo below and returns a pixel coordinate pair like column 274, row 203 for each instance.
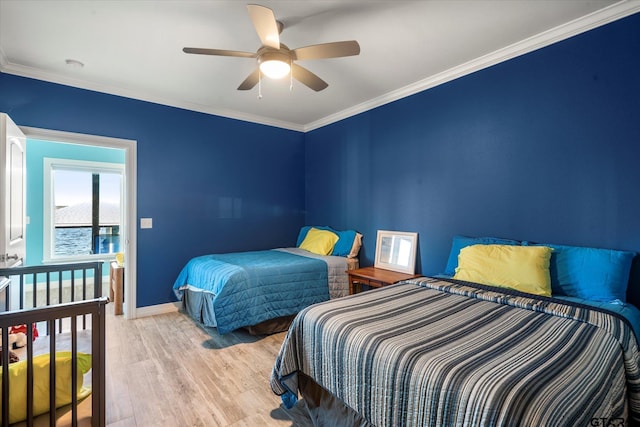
column 130, row 196
column 154, row 310
column 596, row 19
column 546, row 38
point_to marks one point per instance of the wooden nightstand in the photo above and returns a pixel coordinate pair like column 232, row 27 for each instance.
column 375, row 277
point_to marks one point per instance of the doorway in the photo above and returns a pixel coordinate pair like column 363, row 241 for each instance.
column 127, row 231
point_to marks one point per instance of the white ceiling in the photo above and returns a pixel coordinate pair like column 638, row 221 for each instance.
column 134, row 48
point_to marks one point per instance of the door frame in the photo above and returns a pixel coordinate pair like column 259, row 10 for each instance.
column 130, row 196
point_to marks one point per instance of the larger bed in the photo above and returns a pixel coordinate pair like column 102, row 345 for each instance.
column 440, row 351
column 258, row 288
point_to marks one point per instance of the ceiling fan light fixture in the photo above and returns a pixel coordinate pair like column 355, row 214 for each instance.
column 275, row 59
column 274, row 64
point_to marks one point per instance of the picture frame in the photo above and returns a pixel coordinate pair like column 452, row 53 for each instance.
column 396, row 251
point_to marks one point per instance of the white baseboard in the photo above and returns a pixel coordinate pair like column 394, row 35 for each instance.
column 153, row 310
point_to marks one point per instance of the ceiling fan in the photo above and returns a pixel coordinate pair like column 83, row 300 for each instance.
column 275, row 59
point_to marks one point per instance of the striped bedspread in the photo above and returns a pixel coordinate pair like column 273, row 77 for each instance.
column 428, row 352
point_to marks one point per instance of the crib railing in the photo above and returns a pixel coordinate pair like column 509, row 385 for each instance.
column 48, row 283
column 72, row 311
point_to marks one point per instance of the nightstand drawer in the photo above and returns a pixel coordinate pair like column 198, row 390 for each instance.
column 375, row 278
column 370, row 282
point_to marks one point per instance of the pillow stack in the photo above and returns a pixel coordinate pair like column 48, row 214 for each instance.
column 319, row 242
column 347, row 243
column 542, row 269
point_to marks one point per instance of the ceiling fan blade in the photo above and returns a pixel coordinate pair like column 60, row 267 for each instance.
column 327, row 50
column 250, row 81
column 218, row 52
column 307, row 78
column 265, row 24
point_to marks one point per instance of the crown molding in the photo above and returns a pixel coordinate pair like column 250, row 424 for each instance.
column 34, row 73
column 3, row 60
column 596, row 19
column 562, row 32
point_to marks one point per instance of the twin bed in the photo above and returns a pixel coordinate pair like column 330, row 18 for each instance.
column 263, row 290
column 447, row 350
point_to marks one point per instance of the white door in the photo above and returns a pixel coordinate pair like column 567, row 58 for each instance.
column 12, row 193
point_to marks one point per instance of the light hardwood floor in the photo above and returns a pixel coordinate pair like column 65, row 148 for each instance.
column 166, row 371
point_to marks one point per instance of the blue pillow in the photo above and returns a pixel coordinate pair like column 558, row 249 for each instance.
column 589, row 273
column 460, row 242
column 345, row 242
column 303, row 233
column 343, row 245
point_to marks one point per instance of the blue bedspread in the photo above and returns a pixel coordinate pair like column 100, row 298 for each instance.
column 247, row 288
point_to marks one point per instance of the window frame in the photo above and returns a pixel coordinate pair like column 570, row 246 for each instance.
column 48, row 240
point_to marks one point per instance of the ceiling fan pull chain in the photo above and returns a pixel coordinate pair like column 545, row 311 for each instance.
column 259, row 85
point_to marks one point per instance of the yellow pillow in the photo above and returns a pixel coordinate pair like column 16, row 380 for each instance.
column 319, row 242
column 64, row 388
column 523, row 268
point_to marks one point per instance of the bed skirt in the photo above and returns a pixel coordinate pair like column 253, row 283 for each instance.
column 323, row 408
column 199, row 306
column 271, row 326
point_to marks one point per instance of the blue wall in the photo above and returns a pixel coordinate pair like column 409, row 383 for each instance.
column 190, row 165
column 37, row 151
column 544, row 147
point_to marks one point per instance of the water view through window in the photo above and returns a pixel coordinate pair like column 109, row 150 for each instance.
column 75, row 233
column 72, row 241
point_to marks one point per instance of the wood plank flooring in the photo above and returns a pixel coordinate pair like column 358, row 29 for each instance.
column 167, row 371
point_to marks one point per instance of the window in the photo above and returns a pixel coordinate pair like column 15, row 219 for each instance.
column 83, row 209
